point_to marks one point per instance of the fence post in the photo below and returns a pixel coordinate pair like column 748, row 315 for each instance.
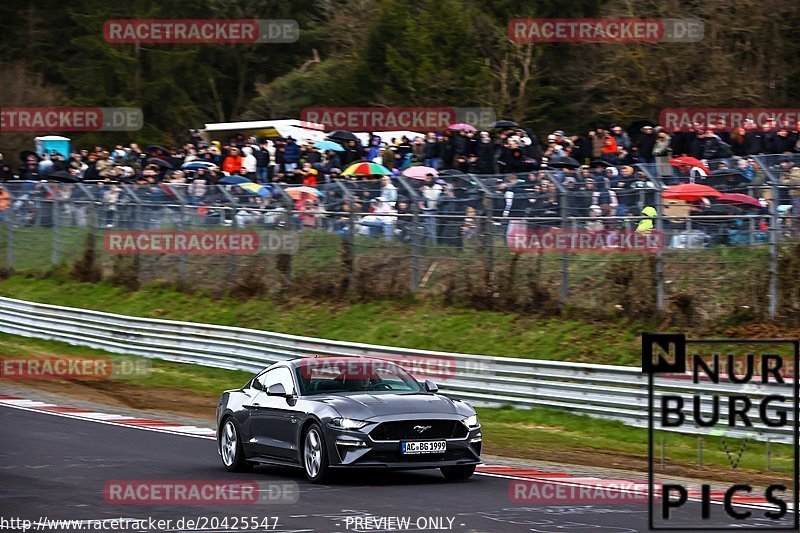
column 10, row 235
column 700, row 452
column 489, row 207
column 182, row 256
column 283, row 261
column 773, row 250
column 350, row 260
column 417, row 231
column 564, row 255
column 416, row 236
column 55, row 251
column 660, row 251
column 233, row 261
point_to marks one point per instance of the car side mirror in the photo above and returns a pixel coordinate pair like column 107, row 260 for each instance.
column 276, row 389
column 255, row 384
column 430, row 386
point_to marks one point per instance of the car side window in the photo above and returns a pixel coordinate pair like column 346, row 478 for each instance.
column 280, row 375
column 258, row 382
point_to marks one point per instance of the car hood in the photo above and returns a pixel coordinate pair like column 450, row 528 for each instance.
column 363, row 406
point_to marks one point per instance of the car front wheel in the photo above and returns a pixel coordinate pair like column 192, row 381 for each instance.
column 230, row 447
column 315, row 455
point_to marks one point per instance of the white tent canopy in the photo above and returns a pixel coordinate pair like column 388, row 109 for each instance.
column 300, row 130
column 387, row 136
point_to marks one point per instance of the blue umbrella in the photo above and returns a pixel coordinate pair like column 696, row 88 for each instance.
column 233, row 180
column 255, row 188
column 329, row 145
column 194, row 165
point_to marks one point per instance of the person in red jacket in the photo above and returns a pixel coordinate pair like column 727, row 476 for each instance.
column 310, row 178
column 232, row 163
column 610, row 149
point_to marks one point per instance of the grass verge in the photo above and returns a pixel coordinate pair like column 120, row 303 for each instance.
column 394, row 323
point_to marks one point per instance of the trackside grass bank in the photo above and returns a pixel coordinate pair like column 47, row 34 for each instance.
column 393, row 323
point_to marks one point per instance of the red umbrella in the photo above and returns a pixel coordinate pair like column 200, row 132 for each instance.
column 738, row 198
column 689, row 162
column 690, row 192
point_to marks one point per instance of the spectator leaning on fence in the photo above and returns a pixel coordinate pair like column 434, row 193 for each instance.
column 790, row 177
column 431, row 190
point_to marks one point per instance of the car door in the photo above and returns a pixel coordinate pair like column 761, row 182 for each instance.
column 273, row 422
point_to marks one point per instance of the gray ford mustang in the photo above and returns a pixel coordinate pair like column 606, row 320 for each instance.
column 323, row 413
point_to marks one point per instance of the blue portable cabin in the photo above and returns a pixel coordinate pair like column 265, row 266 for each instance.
column 50, row 143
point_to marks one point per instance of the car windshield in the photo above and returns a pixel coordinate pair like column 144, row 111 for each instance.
column 353, row 375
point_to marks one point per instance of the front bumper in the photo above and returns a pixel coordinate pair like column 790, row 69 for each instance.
column 350, row 449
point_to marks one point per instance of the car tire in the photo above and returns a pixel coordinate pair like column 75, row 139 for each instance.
column 230, row 447
column 315, row 455
column 457, row 473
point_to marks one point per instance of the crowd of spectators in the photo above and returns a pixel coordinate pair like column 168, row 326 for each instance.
column 613, row 175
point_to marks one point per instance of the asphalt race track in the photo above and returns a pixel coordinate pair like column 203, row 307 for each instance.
column 57, row 467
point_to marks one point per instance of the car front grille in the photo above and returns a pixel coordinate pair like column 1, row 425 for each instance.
column 413, row 430
column 397, row 457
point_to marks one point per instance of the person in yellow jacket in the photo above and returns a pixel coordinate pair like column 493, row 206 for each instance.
column 646, row 224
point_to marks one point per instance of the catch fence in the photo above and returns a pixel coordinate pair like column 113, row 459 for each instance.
column 478, row 239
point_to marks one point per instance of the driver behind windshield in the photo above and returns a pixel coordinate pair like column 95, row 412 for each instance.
column 358, row 383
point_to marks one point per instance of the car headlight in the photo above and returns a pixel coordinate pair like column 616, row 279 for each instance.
column 346, row 423
column 472, row 422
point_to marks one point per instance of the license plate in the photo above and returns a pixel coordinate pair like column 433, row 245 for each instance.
column 425, row 446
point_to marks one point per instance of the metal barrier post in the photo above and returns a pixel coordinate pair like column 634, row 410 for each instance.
column 660, row 251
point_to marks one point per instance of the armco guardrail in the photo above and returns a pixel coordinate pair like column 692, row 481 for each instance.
column 604, row 391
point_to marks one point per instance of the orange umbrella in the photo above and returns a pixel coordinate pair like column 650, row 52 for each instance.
column 690, row 192
column 302, row 192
